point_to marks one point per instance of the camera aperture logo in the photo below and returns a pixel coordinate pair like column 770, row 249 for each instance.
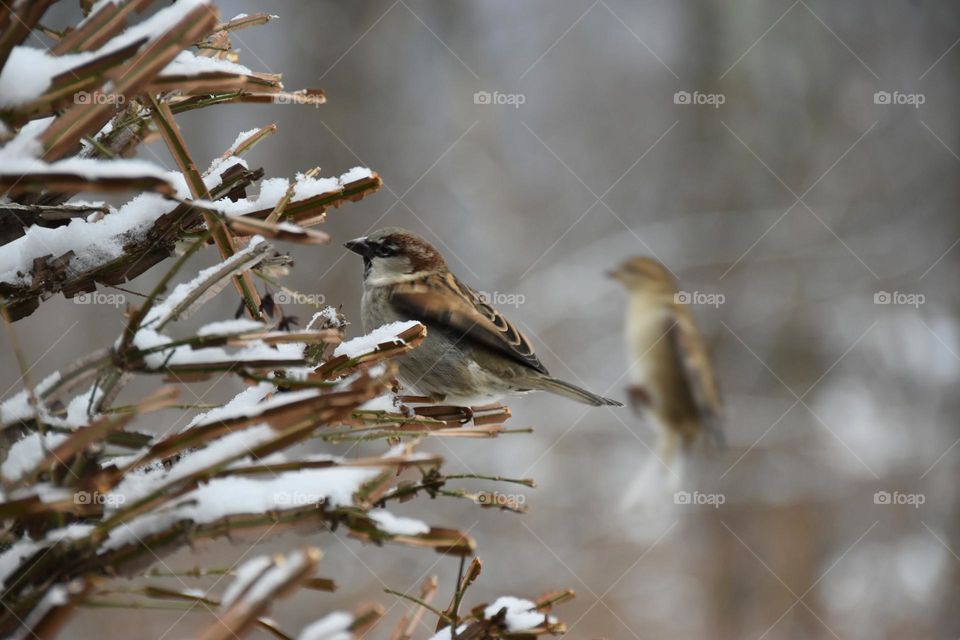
column 115, row 300
column 496, row 98
column 700, row 499
column 698, row 98
column 898, row 498
column 699, row 297
column 899, row 298
column 897, row 97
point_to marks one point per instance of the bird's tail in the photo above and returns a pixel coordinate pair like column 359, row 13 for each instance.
column 571, row 391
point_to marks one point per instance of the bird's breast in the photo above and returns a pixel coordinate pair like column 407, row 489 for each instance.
column 375, row 308
column 646, row 329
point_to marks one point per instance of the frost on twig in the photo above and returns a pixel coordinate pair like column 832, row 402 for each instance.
column 259, row 582
column 87, row 494
column 233, row 470
column 506, row 617
column 75, row 114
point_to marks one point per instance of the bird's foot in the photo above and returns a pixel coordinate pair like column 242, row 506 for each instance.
column 434, row 398
column 404, row 409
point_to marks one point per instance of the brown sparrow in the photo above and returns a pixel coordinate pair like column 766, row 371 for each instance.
column 673, row 385
column 472, row 355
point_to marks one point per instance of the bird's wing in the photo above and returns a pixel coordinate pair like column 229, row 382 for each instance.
column 691, row 352
column 443, row 300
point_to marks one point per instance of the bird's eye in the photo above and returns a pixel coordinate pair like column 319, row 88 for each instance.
column 385, row 251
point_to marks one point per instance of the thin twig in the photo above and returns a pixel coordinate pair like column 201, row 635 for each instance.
column 24, row 369
column 420, row 602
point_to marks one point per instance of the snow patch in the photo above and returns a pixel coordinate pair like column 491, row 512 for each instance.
column 146, row 480
column 397, row 526
column 18, row 407
column 521, row 614
column 188, row 63
column 368, row 343
column 333, row 626
column 29, row 71
column 223, row 497
column 244, row 576
column 230, row 327
column 27, row 453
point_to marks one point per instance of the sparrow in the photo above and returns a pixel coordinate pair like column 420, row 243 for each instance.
column 471, row 355
column 673, row 386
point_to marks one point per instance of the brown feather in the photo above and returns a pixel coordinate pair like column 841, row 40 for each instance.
column 441, row 299
column 694, row 361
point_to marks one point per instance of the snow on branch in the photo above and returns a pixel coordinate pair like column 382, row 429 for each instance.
column 261, row 581
column 22, row 175
column 86, row 494
column 507, row 615
column 232, row 469
column 113, row 248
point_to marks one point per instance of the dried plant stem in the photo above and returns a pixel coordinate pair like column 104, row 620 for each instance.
column 24, row 367
column 221, row 235
column 138, row 316
column 102, row 498
column 418, row 601
column 527, row 482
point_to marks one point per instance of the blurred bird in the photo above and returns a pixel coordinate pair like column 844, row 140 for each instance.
column 672, row 382
column 471, row 355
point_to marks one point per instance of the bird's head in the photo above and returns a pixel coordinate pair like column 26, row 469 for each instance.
column 393, row 255
column 644, row 275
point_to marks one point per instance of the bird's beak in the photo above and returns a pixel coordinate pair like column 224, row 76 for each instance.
column 358, row 246
column 613, row 273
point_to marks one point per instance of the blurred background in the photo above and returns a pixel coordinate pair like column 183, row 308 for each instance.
column 796, row 159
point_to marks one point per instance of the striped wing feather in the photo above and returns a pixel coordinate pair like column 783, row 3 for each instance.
column 694, row 360
column 441, row 299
